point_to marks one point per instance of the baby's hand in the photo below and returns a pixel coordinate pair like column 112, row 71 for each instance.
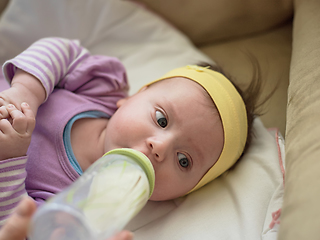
column 13, row 96
column 24, row 88
column 16, row 131
column 8, row 96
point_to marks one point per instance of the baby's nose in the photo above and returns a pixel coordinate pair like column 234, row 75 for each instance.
column 158, row 148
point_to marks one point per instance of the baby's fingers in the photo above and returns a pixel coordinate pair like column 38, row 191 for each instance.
column 3, row 112
column 19, row 122
column 22, row 121
column 31, row 121
column 123, row 235
column 5, row 126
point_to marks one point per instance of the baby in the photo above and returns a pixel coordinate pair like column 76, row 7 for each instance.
column 192, row 123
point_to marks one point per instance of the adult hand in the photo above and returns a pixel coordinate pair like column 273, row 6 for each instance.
column 16, row 227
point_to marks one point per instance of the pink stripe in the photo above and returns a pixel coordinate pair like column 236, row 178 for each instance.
column 60, row 49
column 10, row 188
column 276, row 130
column 275, row 218
column 74, row 65
column 69, row 49
column 17, row 194
column 12, row 168
column 51, row 67
column 280, row 158
column 8, row 207
column 14, row 177
column 56, row 56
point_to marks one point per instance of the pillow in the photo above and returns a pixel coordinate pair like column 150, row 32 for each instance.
column 147, row 46
column 236, row 205
column 205, row 21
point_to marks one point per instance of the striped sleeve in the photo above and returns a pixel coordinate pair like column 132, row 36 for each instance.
column 12, row 185
column 48, row 59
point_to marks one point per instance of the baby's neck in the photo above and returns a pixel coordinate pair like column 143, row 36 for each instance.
column 87, row 140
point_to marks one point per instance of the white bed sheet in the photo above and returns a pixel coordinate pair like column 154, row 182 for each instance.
column 239, row 204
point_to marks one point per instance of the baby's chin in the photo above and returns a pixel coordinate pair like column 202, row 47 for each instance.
column 164, row 196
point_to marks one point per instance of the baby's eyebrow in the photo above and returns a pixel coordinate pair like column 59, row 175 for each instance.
column 196, row 154
column 169, row 108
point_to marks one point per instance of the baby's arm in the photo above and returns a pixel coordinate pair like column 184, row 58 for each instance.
column 34, row 73
column 15, row 136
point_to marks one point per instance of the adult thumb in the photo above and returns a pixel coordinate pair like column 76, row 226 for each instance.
column 16, row 227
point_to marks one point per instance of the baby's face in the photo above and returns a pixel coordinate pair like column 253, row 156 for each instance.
column 174, row 124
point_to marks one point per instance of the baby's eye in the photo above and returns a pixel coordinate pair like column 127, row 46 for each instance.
column 183, row 160
column 161, row 119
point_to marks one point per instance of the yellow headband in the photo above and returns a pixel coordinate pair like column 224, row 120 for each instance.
column 232, row 111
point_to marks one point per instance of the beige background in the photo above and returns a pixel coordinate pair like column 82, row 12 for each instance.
column 288, row 51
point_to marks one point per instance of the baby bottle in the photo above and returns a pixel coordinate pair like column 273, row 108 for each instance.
column 101, row 202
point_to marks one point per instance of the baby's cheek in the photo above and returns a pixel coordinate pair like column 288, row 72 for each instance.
column 167, row 190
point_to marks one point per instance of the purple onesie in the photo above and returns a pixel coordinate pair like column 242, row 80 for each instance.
column 75, row 82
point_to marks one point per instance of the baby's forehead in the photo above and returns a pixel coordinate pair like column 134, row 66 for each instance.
column 182, row 82
column 176, row 81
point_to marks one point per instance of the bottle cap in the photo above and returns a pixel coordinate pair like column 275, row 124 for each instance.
column 139, row 158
